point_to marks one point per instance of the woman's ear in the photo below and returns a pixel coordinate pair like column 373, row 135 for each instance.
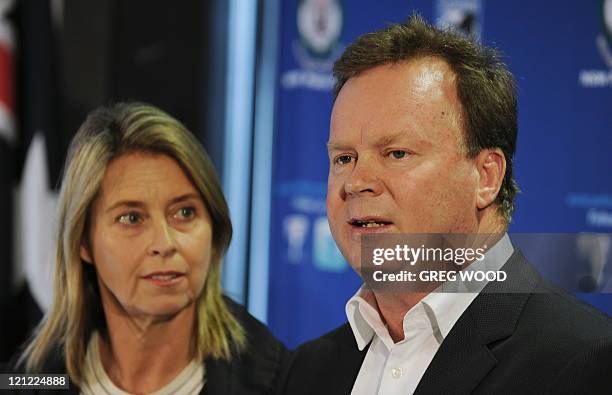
column 85, row 252
column 491, row 168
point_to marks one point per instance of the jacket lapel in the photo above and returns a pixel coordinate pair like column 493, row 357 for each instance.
column 348, row 367
column 464, row 358
column 460, row 363
column 347, row 364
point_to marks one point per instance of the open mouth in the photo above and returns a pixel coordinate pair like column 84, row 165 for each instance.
column 164, row 278
column 368, row 223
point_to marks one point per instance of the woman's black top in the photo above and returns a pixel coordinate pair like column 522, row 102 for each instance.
column 257, row 370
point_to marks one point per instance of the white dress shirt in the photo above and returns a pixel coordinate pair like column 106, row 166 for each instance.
column 397, row 368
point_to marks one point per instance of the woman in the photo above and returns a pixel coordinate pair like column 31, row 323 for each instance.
column 137, row 306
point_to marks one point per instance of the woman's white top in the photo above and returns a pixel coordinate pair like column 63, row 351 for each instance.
column 189, row 381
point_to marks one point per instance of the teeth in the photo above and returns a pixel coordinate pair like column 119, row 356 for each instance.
column 370, row 224
column 165, row 277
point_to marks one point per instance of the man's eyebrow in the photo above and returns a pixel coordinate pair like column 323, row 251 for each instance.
column 139, row 204
column 337, row 146
column 382, row 141
column 390, row 139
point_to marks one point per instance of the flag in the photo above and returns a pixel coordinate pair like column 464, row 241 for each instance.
column 7, row 142
column 7, row 145
column 30, row 161
column 39, row 152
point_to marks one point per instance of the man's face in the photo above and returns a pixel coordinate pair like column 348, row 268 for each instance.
column 397, row 163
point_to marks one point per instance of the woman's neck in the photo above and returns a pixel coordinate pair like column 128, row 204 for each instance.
column 142, row 354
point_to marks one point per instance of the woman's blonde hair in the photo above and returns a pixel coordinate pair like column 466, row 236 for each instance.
column 107, row 133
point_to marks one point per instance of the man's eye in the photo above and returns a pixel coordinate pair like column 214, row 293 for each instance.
column 186, row 213
column 343, row 159
column 398, row 154
column 129, row 219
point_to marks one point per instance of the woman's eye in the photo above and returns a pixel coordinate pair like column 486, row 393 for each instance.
column 129, row 219
column 343, row 159
column 186, row 212
column 398, row 154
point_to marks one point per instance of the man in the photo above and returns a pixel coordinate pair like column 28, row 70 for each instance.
column 423, row 131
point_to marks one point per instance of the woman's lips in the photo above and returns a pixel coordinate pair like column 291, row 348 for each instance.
column 164, row 278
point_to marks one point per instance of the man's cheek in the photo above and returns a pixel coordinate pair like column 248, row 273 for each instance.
column 408, row 193
column 333, row 228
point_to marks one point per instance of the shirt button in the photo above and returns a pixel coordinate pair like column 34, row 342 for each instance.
column 396, row 373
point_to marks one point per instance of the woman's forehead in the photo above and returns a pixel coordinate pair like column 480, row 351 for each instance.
column 143, row 176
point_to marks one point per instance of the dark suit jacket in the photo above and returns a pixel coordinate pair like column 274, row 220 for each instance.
column 256, row 371
column 528, row 337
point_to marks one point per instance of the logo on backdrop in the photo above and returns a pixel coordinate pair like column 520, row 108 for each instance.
column 323, row 253
column 601, row 78
column 464, row 16
column 296, row 227
column 319, row 25
column 597, row 208
column 307, row 237
column 604, row 40
column 606, row 16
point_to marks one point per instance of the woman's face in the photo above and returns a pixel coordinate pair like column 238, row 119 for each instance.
column 149, row 237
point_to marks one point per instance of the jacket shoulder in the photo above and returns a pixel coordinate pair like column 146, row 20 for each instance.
column 326, row 365
column 257, row 369
column 331, row 342
column 559, row 345
column 562, row 316
column 53, row 364
column 258, row 334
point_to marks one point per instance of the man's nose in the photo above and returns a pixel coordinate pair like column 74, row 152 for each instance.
column 363, row 180
column 163, row 242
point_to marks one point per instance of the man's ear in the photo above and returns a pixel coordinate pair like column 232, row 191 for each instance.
column 491, row 164
column 85, row 252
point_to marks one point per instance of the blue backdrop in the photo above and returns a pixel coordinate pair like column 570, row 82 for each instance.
column 560, row 53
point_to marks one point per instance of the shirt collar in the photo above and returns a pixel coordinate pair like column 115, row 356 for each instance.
column 363, row 317
column 442, row 308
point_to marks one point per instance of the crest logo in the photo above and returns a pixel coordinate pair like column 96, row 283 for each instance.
column 319, row 23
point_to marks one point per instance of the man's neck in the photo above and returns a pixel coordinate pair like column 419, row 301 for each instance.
column 143, row 355
column 393, row 306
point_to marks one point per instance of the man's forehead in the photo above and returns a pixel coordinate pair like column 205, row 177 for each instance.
column 424, row 73
column 432, row 76
column 396, row 101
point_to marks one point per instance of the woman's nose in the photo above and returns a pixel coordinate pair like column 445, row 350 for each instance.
column 163, row 242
